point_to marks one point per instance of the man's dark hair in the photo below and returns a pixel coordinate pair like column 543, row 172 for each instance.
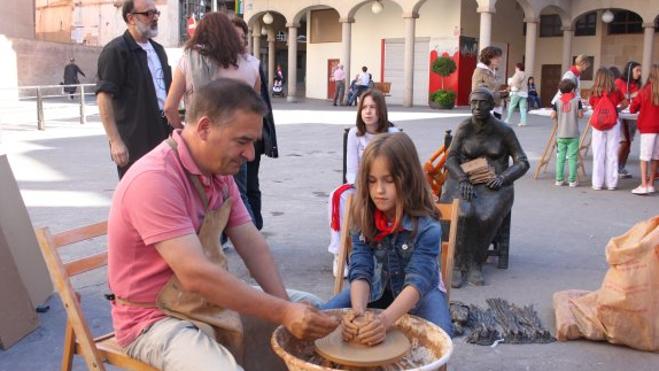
column 567, row 86
column 488, row 53
column 239, row 22
column 364, row 69
column 127, row 8
column 220, row 98
column 520, row 65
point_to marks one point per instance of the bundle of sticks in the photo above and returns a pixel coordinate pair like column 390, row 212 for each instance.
column 478, row 170
column 500, row 321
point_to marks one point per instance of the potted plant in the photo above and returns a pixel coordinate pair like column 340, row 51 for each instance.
column 444, row 66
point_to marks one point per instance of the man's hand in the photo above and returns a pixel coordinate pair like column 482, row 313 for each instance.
column 466, row 190
column 350, row 330
column 307, row 323
column 496, row 183
column 119, row 153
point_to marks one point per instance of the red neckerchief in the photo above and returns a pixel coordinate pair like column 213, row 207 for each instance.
column 566, row 98
column 575, row 71
column 383, row 225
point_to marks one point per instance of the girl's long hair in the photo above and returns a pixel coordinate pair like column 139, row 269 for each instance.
column 381, row 107
column 215, row 37
column 413, row 191
column 627, row 73
column 603, row 82
column 653, row 79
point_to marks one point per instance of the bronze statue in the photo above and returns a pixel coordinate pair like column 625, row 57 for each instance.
column 487, row 197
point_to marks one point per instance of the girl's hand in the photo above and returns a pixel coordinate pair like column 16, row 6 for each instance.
column 375, row 331
column 350, row 330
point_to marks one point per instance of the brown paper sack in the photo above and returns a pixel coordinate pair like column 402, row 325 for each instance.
column 625, row 310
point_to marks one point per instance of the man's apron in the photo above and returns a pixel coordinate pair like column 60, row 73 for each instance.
column 222, row 324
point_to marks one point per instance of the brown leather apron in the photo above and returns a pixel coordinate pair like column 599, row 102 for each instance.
column 223, row 324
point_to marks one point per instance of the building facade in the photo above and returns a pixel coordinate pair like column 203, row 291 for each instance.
column 398, row 39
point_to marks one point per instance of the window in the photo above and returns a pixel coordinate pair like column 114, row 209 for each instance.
column 625, row 22
column 550, row 25
column 586, row 25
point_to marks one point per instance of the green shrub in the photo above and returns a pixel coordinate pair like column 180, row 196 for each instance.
column 444, row 98
column 444, row 66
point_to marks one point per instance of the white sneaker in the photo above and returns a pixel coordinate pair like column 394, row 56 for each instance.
column 559, row 183
column 640, row 190
column 573, row 184
column 521, row 124
column 597, row 188
column 651, row 189
column 611, row 188
column 335, row 267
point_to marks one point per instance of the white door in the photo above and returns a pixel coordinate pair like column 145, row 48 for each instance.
column 393, row 70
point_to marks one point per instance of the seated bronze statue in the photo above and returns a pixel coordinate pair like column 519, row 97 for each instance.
column 485, row 203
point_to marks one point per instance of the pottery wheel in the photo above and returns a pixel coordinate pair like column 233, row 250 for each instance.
column 333, row 348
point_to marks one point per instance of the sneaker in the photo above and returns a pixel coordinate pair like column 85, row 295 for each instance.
column 640, row 190
column 573, row 184
column 597, row 188
column 559, row 183
column 624, row 174
column 521, row 124
column 651, row 189
column 611, row 188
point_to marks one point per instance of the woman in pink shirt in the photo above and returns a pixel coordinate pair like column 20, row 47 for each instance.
column 215, row 50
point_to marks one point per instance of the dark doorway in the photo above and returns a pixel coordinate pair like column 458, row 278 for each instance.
column 551, row 76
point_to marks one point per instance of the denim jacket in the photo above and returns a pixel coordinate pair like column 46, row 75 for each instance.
column 399, row 260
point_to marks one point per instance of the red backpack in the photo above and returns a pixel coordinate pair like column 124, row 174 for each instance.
column 605, row 114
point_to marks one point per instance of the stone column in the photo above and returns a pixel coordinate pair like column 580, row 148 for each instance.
column 256, row 41
column 292, row 61
column 408, row 59
column 648, row 43
column 566, row 60
column 271, row 57
column 346, row 35
column 531, row 39
column 485, row 38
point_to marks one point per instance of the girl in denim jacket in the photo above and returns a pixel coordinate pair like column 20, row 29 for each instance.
column 395, row 242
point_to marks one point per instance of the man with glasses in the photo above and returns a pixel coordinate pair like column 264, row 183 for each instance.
column 133, row 80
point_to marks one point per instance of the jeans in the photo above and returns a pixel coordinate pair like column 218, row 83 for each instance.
column 338, row 94
column 567, row 147
column 516, row 100
column 533, row 101
column 432, row 307
column 254, row 192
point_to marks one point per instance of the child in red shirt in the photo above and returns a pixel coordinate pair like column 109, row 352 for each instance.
column 629, row 83
column 647, row 104
column 605, row 140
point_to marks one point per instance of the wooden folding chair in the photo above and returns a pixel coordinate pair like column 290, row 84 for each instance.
column 448, row 214
column 78, row 338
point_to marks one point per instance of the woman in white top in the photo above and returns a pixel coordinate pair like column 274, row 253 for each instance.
column 372, row 120
column 518, row 94
column 215, row 50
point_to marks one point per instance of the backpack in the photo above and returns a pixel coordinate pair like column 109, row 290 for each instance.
column 604, row 115
column 371, row 84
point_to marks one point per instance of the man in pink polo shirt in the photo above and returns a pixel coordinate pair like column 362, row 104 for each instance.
column 152, row 234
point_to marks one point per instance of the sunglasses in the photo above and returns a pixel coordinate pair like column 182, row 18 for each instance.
column 149, row 13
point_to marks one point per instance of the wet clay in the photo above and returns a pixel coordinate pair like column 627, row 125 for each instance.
column 360, row 322
column 394, row 347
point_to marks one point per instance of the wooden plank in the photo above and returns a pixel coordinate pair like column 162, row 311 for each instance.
column 345, row 247
column 69, row 347
column 449, row 213
column 69, row 300
column 86, row 264
column 80, row 234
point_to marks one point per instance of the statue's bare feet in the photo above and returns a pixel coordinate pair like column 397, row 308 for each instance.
column 475, row 276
